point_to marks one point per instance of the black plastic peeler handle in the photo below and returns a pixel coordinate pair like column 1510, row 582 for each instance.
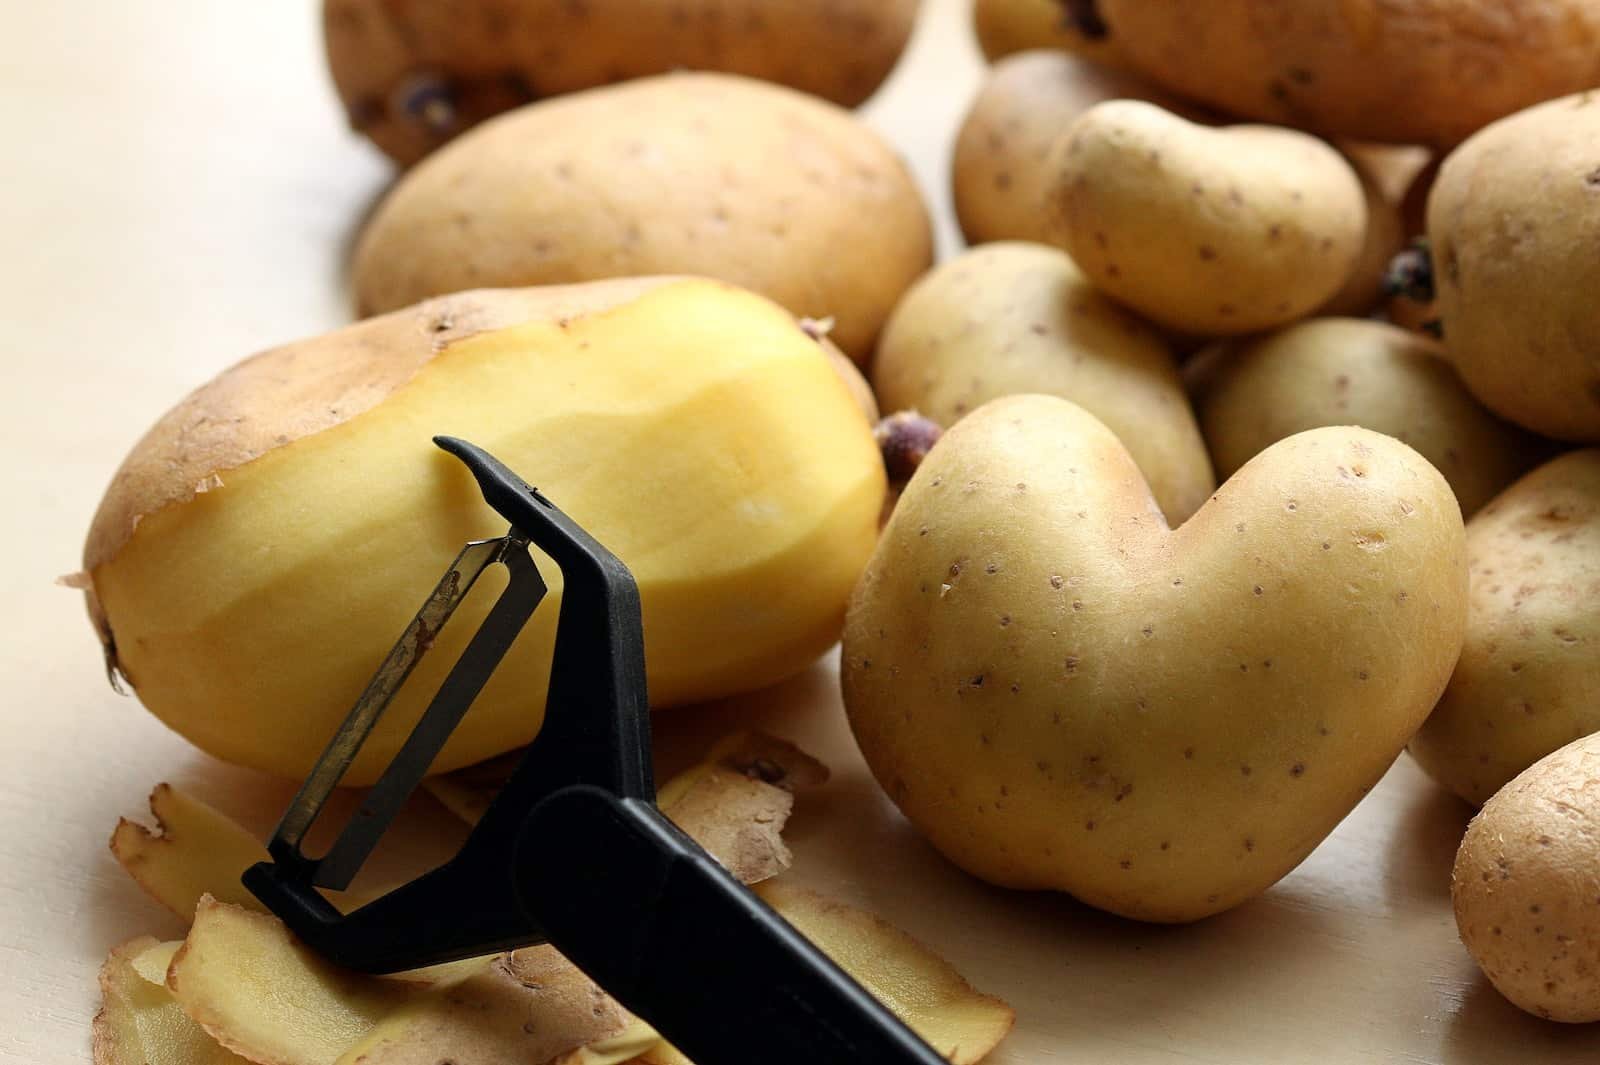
column 637, row 905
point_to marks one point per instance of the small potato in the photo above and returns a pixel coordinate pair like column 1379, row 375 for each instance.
column 1209, row 231
column 1402, row 71
column 1011, row 317
column 1384, row 236
column 1529, row 676
column 1000, row 171
column 1514, row 224
column 1347, row 371
column 1007, row 26
column 1526, row 886
column 414, row 73
column 706, row 174
column 1062, row 693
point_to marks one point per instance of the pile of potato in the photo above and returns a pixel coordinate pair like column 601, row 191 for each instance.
column 1221, row 522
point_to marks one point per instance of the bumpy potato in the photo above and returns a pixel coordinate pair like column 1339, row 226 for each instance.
column 704, row 174
column 999, row 170
column 1007, row 26
column 1527, row 886
column 1529, row 676
column 1209, row 231
column 1011, row 317
column 1061, row 693
column 414, row 73
column 1346, row 371
column 1514, row 221
column 1405, row 71
column 266, row 543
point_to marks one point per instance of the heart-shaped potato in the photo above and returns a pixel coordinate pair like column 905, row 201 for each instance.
column 1061, row 692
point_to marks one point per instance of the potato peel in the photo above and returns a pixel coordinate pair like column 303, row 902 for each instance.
column 194, row 851
column 140, row 1023
column 243, row 978
column 530, row 1006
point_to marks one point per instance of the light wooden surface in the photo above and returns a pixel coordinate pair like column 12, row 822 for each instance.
column 179, row 192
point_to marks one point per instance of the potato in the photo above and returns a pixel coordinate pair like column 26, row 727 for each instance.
column 1514, row 221
column 414, row 73
column 1209, row 231
column 1529, row 676
column 1526, row 886
column 296, row 505
column 1060, row 693
column 690, row 173
column 1011, row 317
column 1007, row 26
column 1403, row 71
column 1348, row 371
column 999, row 170
column 1382, row 238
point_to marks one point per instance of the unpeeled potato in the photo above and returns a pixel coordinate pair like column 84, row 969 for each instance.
column 704, row 174
column 1009, row 318
column 1004, row 27
column 1202, row 230
column 1061, row 693
column 414, row 73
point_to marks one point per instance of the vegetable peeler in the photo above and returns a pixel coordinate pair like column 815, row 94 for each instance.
column 639, row 907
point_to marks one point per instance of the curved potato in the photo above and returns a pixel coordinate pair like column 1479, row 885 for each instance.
column 1526, row 886
column 1513, row 222
column 1000, row 167
column 1208, row 231
column 414, row 73
column 1382, row 238
column 1407, row 71
column 1062, row 693
column 1529, row 676
column 706, row 174
column 1009, row 318
column 1347, row 371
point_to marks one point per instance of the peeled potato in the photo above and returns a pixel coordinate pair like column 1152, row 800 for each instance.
column 1060, row 692
column 1007, row 318
column 1526, row 886
column 1203, row 230
column 296, row 504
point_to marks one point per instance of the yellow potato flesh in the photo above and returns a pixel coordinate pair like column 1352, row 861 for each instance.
column 696, row 432
column 197, row 851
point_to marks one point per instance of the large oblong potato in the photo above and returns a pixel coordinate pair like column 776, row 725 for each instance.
column 1526, row 886
column 1350, row 371
column 1514, row 224
column 709, row 174
column 414, row 73
column 265, row 544
column 1000, row 167
column 1062, row 693
column 1529, row 676
column 1209, row 231
column 1007, row 318
column 1404, row 71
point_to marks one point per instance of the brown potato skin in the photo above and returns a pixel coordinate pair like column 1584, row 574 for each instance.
column 1349, row 371
column 1004, row 27
column 1514, row 224
column 476, row 58
column 706, row 174
column 1403, row 71
column 1529, row 676
column 1526, row 886
column 999, row 170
